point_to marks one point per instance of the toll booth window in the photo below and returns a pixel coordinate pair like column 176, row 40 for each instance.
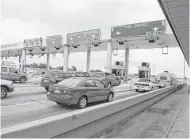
column 141, row 74
column 3, row 69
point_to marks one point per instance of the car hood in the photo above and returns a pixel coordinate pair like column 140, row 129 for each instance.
column 5, row 81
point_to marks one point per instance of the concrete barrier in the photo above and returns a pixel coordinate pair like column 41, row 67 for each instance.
column 87, row 122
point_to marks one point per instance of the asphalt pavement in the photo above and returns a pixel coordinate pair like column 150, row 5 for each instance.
column 28, row 102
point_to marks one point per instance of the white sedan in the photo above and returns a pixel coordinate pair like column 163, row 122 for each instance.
column 145, row 85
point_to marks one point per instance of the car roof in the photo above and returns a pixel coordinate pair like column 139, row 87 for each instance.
column 85, row 78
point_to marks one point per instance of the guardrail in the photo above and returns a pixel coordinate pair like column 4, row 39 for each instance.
column 90, row 121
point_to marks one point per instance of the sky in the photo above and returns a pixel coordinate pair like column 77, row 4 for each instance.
column 26, row 19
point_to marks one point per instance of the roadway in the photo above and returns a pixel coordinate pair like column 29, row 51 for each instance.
column 28, row 102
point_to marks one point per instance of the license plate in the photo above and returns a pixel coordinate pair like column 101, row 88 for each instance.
column 57, row 91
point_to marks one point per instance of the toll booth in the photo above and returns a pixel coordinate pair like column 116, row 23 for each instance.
column 144, row 71
column 118, row 68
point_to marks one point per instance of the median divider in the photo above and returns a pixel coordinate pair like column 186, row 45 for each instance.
column 87, row 122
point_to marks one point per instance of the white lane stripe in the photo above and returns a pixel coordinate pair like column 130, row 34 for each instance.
column 22, row 104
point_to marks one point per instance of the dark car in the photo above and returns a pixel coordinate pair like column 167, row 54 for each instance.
column 109, row 79
column 79, row 91
column 6, row 87
column 53, row 77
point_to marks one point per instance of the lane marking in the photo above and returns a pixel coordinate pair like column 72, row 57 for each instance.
column 22, row 104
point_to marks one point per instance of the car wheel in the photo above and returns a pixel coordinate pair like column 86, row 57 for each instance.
column 136, row 90
column 3, row 92
column 109, row 85
column 47, row 88
column 22, row 79
column 110, row 97
column 82, row 102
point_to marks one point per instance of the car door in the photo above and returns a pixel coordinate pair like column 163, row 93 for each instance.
column 91, row 91
column 4, row 73
column 113, row 80
column 102, row 92
column 13, row 74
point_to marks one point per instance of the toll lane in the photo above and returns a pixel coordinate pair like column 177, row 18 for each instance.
column 24, row 94
column 39, row 108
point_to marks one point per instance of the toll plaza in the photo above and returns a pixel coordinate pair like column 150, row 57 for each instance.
column 159, row 113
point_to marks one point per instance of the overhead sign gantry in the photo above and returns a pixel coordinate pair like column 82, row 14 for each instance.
column 145, row 35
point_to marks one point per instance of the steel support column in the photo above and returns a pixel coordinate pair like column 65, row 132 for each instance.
column 126, row 59
column 88, row 60
column 109, row 57
column 23, row 60
column 48, row 61
column 66, row 58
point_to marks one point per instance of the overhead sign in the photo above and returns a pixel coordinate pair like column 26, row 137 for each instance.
column 84, row 36
column 33, row 42
column 54, row 40
column 138, row 29
column 12, row 46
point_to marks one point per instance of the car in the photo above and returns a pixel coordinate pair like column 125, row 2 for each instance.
column 145, row 85
column 6, row 87
column 79, row 91
column 109, row 79
column 12, row 74
column 54, row 77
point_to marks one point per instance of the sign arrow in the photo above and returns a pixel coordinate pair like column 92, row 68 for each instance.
column 155, row 28
column 118, row 32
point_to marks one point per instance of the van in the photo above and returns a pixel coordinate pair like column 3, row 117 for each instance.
column 12, row 74
column 166, row 79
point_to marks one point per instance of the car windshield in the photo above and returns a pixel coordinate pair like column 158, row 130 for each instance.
column 97, row 74
column 71, row 82
column 144, row 80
